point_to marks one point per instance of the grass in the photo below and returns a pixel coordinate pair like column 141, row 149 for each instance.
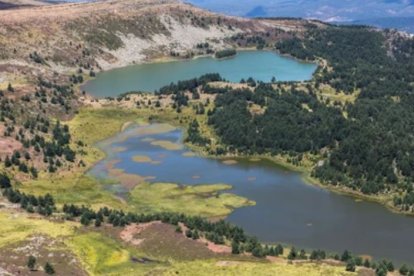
column 93, row 125
column 203, row 200
column 75, row 188
column 216, row 267
column 327, row 92
column 102, row 255
column 16, row 227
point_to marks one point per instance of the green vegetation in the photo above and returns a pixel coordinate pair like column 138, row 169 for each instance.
column 18, row 227
column 31, row 262
column 355, row 117
column 225, row 53
column 217, row 267
column 374, row 156
column 201, row 200
column 73, row 188
column 103, row 255
column 87, row 124
column 49, row 270
column 284, row 126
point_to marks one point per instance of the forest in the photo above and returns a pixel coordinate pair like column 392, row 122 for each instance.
column 369, row 150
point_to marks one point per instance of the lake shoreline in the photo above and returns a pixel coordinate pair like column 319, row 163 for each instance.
column 306, row 176
column 171, row 59
column 253, row 159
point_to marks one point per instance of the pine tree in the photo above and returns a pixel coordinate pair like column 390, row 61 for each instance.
column 49, row 269
column 10, row 88
column 350, row 265
column 7, row 162
column 235, row 248
column 31, row 263
column 293, row 254
column 403, row 270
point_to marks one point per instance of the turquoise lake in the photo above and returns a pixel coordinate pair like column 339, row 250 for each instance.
column 261, row 65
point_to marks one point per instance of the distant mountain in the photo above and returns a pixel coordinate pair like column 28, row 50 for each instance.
column 258, row 11
column 402, row 23
column 383, row 13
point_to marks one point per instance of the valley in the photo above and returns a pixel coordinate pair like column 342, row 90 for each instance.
column 214, row 171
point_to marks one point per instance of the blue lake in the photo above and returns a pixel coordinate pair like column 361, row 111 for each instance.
column 288, row 210
column 261, row 65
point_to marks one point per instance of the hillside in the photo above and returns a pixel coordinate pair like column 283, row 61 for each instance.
column 112, row 33
column 49, row 129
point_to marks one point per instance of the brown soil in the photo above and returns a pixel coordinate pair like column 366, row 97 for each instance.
column 160, row 239
column 8, row 144
column 13, row 258
column 129, row 233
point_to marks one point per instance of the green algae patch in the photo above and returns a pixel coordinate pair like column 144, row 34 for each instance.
column 145, row 159
column 203, row 200
column 229, row 162
column 142, row 159
column 168, row 145
column 147, row 139
column 119, row 149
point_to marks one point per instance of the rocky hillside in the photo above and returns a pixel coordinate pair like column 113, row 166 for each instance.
column 112, row 33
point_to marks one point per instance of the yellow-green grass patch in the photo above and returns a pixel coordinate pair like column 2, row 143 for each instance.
column 18, row 226
column 93, row 125
column 102, row 255
column 240, row 268
column 73, row 189
column 229, row 162
column 203, row 200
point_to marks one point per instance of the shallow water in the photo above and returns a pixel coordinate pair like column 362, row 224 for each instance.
column 288, row 210
column 261, row 65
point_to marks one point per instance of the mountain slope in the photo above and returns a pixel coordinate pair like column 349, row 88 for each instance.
column 115, row 33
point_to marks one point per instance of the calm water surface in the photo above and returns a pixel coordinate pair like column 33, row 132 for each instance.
column 288, row 210
column 261, row 65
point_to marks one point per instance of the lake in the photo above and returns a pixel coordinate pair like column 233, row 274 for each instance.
column 261, row 65
column 288, row 210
